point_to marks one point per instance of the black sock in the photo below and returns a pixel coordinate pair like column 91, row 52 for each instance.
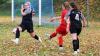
column 36, row 37
column 60, row 46
column 17, row 33
column 75, row 45
column 50, row 37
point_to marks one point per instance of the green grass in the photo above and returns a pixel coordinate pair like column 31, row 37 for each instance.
column 89, row 42
column 4, row 12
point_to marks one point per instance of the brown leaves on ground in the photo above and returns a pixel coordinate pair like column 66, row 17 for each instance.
column 89, row 42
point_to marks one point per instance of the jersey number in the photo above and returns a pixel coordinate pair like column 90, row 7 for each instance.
column 77, row 17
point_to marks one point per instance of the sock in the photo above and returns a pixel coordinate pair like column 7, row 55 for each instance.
column 36, row 37
column 75, row 45
column 60, row 40
column 53, row 35
column 17, row 33
column 60, row 45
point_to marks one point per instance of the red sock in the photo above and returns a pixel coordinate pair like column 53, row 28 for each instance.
column 60, row 40
column 53, row 35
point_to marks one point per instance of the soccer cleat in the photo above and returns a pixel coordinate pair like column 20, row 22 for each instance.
column 61, row 48
column 75, row 53
column 78, row 50
column 16, row 41
column 48, row 35
column 40, row 40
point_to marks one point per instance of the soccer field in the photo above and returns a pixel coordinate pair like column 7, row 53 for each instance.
column 89, row 41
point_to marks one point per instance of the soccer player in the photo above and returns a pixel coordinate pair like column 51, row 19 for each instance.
column 61, row 29
column 26, row 24
column 76, row 17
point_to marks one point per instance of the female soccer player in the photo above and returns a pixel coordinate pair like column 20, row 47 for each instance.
column 26, row 24
column 75, row 25
column 61, row 29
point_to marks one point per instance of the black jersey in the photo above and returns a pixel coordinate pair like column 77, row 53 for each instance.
column 27, row 23
column 75, row 18
column 27, row 18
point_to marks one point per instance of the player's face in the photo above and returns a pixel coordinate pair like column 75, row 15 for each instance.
column 63, row 7
column 26, row 6
column 67, row 3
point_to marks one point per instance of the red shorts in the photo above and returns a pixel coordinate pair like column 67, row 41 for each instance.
column 61, row 30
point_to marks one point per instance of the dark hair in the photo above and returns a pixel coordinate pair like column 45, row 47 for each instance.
column 73, row 5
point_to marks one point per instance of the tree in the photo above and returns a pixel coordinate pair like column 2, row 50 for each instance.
column 2, row 1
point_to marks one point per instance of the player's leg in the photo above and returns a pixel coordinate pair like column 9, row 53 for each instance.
column 78, row 33
column 35, row 36
column 62, row 32
column 74, row 38
column 78, row 50
column 60, row 41
column 75, row 44
column 53, row 35
column 17, row 31
column 32, row 33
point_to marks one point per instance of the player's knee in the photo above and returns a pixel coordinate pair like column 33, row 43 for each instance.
column 19, row 28
column 74, row 36
column 16, row 29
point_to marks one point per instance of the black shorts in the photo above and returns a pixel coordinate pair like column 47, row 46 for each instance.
column 75, row 30
column 27, row 26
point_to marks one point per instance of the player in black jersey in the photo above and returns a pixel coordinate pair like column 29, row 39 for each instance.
column 26, row 24
column 76, row 17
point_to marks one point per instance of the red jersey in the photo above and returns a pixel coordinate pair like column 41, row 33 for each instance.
column 63, row 13
column 61, row 29
column 62, row 20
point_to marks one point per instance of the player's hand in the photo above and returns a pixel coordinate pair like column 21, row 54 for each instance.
column 51, row 20
column 68, row 26
column 84, row 25
column 84, row 28
column 22, row 7
column 67, row 29
column 33, row 14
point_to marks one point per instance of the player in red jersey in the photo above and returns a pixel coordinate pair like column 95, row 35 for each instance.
column 61, row 29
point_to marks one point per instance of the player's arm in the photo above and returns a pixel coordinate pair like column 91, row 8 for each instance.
column 22, row 12
column 55, row 18
column 33, row 12
column 68, row 23
column 83, row 20
column 68, row 20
